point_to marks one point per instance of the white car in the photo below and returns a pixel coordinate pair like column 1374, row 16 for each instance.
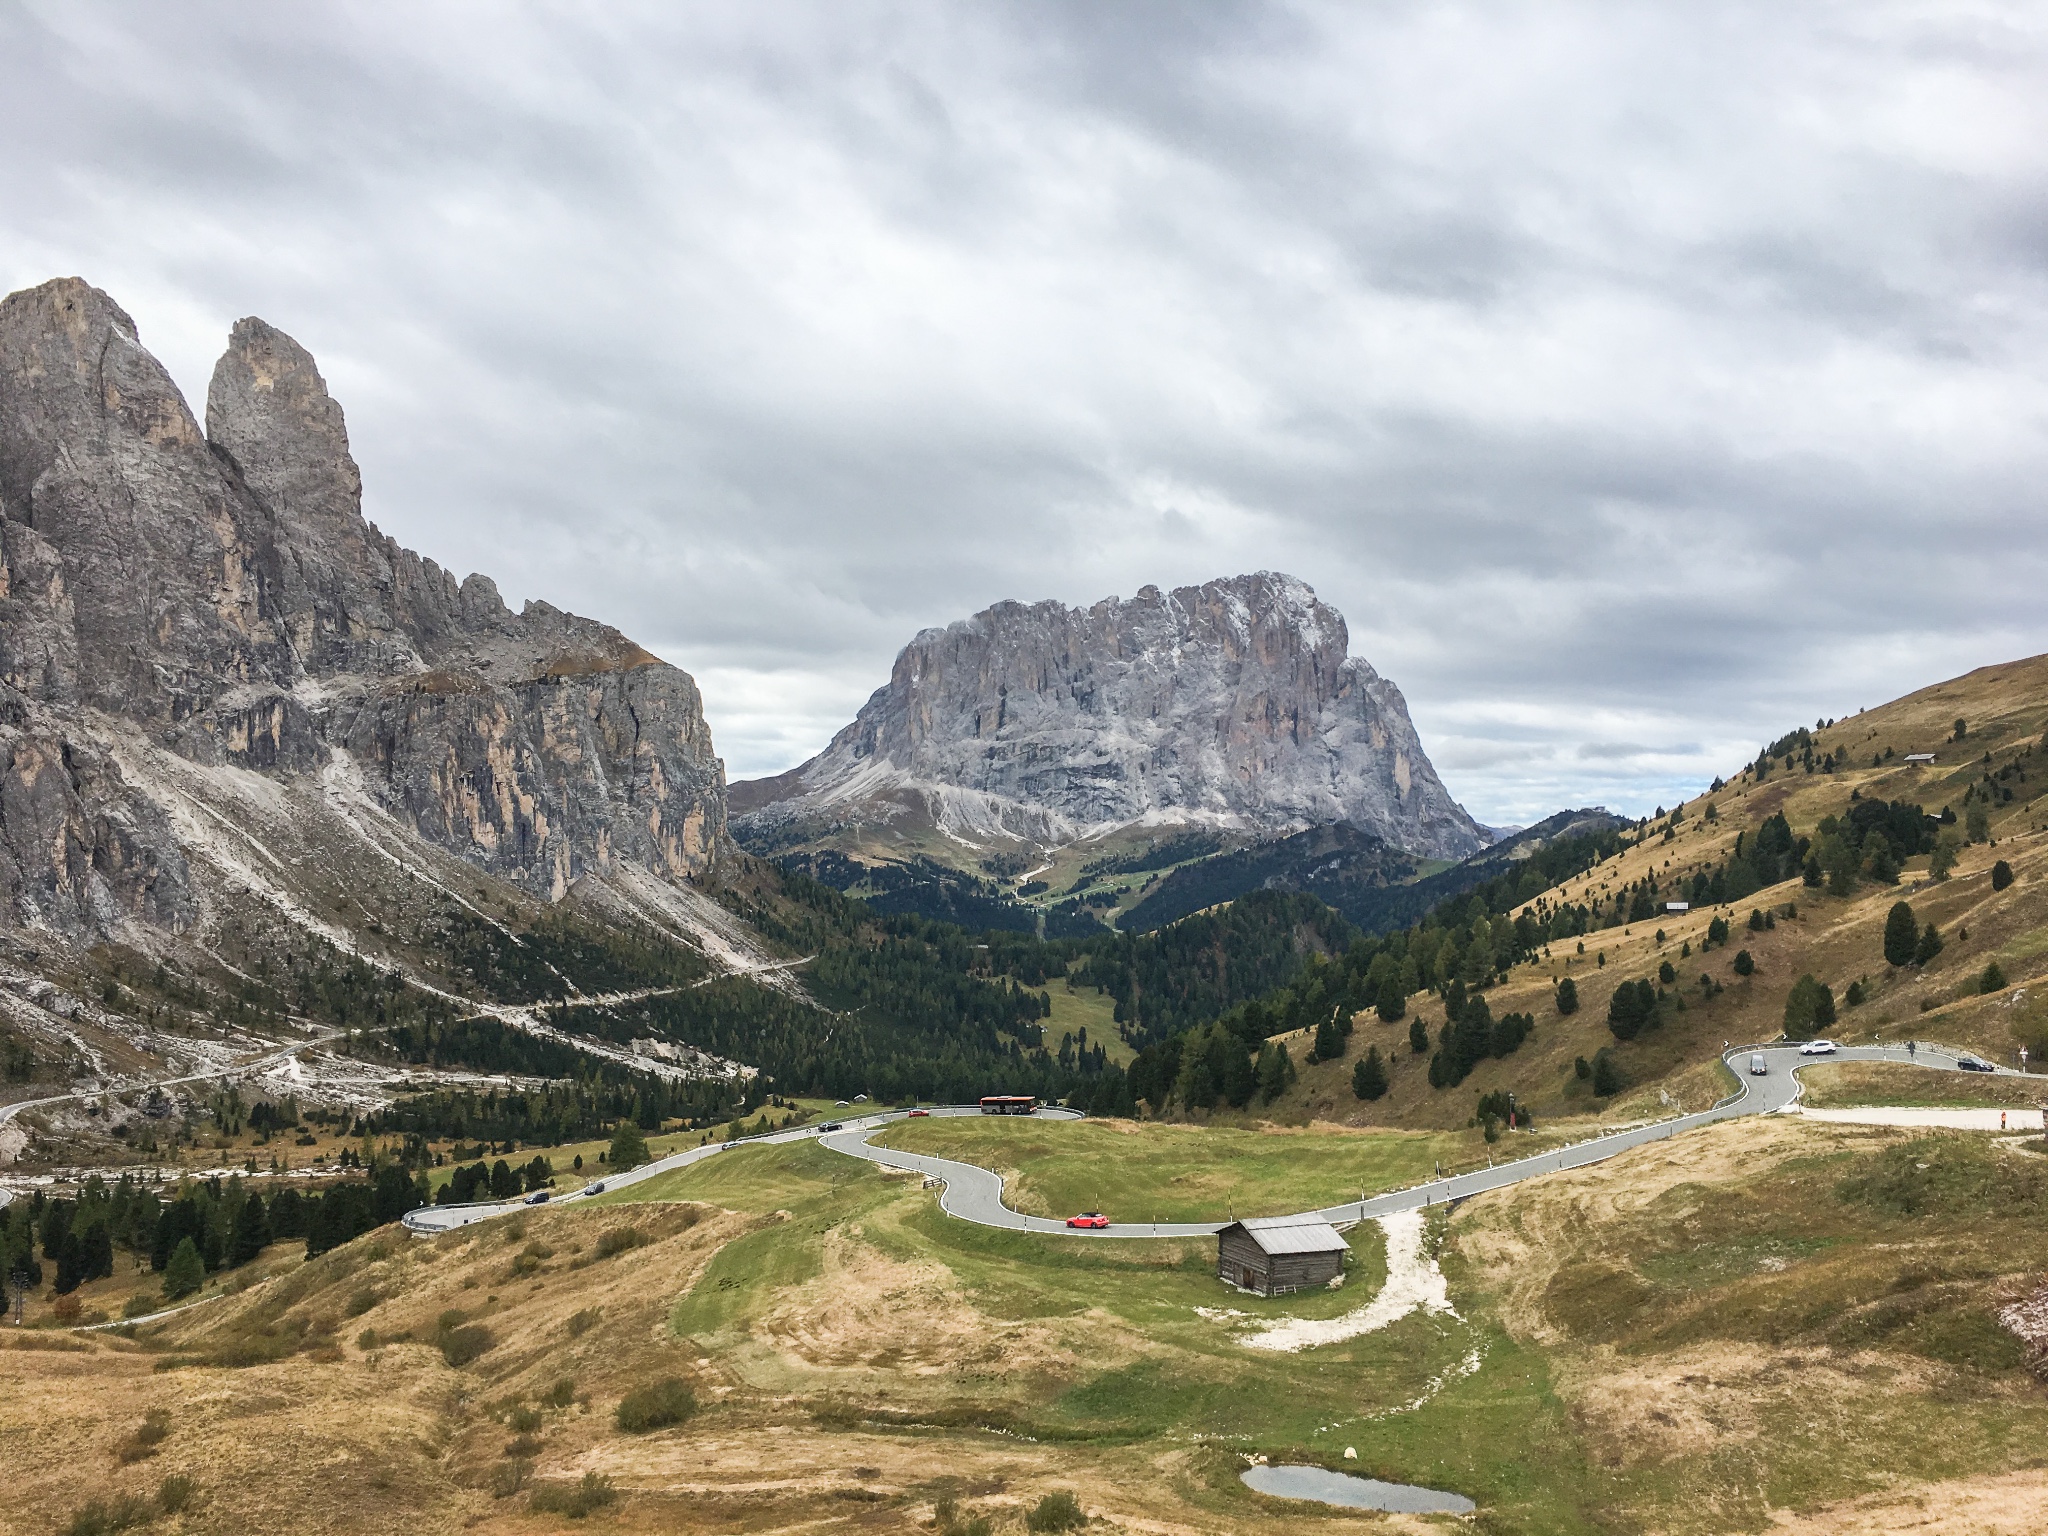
column 1818, row 1048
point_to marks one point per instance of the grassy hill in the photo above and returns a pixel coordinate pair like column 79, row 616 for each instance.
column 1837, row 938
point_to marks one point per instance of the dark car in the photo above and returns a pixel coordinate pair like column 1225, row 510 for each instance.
column 594, row 1189
column 830, row 1125
column 540, row 1198
column 1974, row 1064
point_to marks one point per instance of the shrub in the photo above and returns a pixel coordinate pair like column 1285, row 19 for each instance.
column 149, row 1434
column 523, row 1420
column 1567, row 996
column 461, row 1345
column 620, row 1240
column 1929, row 946
column 1583, row 1068
column 1059, row 1511
column 1745, row 963
column 1993, row 979
column 666, row 1402
column 102, row 1517
column 173, row 1494
column 2001, row 875
column 1667, row 973
column 582, row 1322
column 1756, row 920
column 508, row 1477
column 1853, row 998
column 1607, row 1078
column 561, row 1394
column 523, row 1448
column 594, row 1492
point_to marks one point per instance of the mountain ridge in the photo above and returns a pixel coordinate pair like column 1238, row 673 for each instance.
column 222, row 591
column 1233, row 704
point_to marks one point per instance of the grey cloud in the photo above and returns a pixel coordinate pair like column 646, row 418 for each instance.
column 1624, row 374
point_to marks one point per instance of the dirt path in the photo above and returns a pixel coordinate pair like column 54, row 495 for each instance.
column 1414, row 1283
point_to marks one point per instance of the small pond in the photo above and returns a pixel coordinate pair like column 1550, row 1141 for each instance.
column 1326, row 1487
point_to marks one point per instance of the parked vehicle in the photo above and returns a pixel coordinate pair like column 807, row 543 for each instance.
column 1094, row 1219
column 1758, row 1067
column 1818, row 1048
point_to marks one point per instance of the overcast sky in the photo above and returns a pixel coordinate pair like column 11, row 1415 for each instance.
column 1638, row 380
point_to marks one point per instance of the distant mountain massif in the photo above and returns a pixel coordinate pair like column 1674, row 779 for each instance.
column 1234, row 705
column 1147, row 737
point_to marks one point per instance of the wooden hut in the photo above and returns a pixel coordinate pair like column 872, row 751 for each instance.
column 1277, row 1254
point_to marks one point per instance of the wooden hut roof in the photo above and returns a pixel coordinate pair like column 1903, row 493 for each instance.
column 1290, row 1234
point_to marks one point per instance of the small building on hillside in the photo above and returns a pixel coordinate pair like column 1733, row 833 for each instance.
column 1919, row 759
column 1676, row 907
column 1276, row 1254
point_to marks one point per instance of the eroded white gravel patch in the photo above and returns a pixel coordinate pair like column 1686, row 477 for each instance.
column 1414, row 1284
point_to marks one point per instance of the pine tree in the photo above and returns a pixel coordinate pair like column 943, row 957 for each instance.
column 629, row 1147
column 1607, row 1080
column 1901, row 934
column 2001, row 875
column 1392, row 1002
column 1418, row 1037
column 1745, row 963
column 1809, row 1007
column 186, row 1272
column 1369, row 1077
column 1567, row 996
column 1929, row 946
column 249, row 1233
column 1329, row 1044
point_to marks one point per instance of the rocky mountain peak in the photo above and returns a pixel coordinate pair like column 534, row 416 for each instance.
column 1234, row 703
column 222, row 593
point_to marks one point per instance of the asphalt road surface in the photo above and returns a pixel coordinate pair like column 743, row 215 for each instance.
column 975, row 1194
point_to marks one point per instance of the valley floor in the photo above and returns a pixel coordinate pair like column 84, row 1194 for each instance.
column 1765, row 1323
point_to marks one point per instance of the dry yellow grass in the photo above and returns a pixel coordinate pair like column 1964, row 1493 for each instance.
column 1838, row 940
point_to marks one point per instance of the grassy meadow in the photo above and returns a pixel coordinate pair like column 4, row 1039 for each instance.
column 1140, row 1172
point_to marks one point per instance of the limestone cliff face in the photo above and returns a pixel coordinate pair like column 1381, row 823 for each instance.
column 1234, row 703
column 221, row 592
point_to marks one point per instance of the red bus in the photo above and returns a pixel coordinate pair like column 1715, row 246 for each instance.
column 1008, row 1104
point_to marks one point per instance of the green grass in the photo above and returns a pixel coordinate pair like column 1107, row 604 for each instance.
column 1178, row 1172
column 1085, row 1008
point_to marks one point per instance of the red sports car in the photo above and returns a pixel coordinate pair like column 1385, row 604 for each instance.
column 919, row 1114
column 1088, row 1219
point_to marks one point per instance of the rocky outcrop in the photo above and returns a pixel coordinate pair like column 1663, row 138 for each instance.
column 222, row 591
column 1235, row 703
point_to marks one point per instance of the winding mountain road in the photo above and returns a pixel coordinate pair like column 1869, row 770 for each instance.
column 976, row 1194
